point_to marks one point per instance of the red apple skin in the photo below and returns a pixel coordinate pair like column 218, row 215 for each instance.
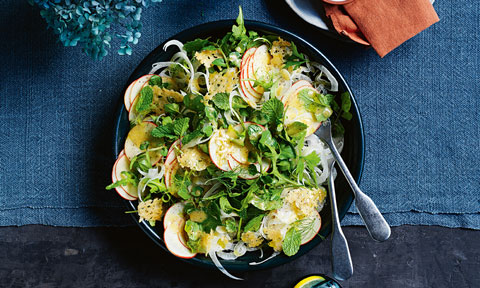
column 130, row 103
column 172, row 250
column 316, row 233
column 120, row 190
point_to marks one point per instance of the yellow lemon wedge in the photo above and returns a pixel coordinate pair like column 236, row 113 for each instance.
column 316, row 281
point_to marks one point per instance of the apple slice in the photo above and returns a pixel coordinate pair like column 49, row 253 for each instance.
column 296, row 111
column 171, row 163
column 247, row 55
column 126, row 98
column 294, row 88
column 173, row 215
column 247, row 77
column 246, row 92
column 257, row 67
column 174, row 238
column 311, row 233
column 138, row 135
column 127, row 192
column 221, row 149
column 174, row 235
column 134, row 89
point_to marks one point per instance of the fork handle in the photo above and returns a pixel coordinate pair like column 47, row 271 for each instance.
column 376, row 225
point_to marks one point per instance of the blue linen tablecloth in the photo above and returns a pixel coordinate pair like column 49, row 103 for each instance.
column 420, row 106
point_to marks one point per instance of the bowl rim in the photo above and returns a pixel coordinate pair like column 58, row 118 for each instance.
column 250, row 25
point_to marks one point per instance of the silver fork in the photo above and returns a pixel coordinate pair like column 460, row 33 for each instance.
column 376, row 225
column 341, row 260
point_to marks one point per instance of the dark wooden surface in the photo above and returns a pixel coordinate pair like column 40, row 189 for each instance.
column 415, row 256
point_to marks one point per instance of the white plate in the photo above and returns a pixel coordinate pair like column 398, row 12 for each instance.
column 312, row 12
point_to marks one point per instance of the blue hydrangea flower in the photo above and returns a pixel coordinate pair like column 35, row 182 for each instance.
column 89, row 23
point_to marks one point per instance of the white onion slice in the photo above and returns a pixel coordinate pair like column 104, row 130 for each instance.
column 175, row 43
column 333, row 81
column 274, row 254
column 217, row 263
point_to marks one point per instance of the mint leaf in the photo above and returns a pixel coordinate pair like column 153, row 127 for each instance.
column 180, row 126
column 207, row 130
column 155, row 81
column 254, row 224
column 273, row 109
column 171, row 108
column 219, row 62
column 238, row 103
column 164, row 131
column 190, row 136
column 146, row 98
column 221, row 101
column 291, row 242
column 194, row 102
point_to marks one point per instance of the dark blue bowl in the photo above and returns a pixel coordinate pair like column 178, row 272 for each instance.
column 353, row 151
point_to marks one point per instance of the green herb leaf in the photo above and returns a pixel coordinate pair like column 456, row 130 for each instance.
column 346, row 102
column 238, row 103
column 239, row 29
column 295, row 128
column 180, row 126
column 190, row 136
column 291, row 242
column 172, row 108
column 209, row 48
column 230, row 225
column 194, row 102
column 146, row 98
column 225, row 205
column 195, row 45
column 193, row 229
column 267, row 139
column 127, row 178
column 221, row 101
column 164, row 131
column 294, row 63
column 312, row 159
column 254, row 224
column 155, row 81
column 254, row 132
column 207, row 130
column 273, row 109
column 295, row 52
column 219, row 62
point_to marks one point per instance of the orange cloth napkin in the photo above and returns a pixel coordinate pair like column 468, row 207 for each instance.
column 384, row 24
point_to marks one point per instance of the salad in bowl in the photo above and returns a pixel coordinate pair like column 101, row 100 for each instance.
column 221, row 149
